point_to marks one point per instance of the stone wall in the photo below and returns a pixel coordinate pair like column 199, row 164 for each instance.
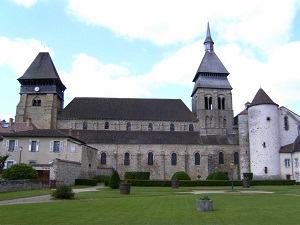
column 19, row 185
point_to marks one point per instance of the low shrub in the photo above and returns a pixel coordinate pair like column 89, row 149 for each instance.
column 20, row 171
column 137, row 176
column 89, row 182
column 106, row 182
column 63, row 192
column 114, row 180
column 181, row 175
column 248, row 176
column 218, row 176
column 101, row 178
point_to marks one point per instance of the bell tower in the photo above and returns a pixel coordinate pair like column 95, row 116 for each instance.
column 211, row 96
column 41, row 93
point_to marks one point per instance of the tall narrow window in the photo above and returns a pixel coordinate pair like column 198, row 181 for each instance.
column 106, row 125
column 197, row 158
column 36, row 102
column 56, row 146
column 223, row 103
column 174, row 159
column 84, row 125
column 191, row 127
column 150, row 158
column 11, row 145
column 208, row 102
column 150, row 126
column 103, row 158
column 128, row 126
column 126, row 159
column 286, row 123
column 221, row 158
column 236, row 158
column 33, row 146
column 172, row 127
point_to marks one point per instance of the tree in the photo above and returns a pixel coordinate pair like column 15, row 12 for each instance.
column 3, row 159
column 114, row 180
column 19, row 171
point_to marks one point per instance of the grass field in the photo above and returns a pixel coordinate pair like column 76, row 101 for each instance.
column 156, row 205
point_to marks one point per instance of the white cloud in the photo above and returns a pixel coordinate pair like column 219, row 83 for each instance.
column 26, row 3
column 262, row 24
column 19, row 53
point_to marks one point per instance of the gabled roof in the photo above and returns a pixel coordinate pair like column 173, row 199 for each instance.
column 41, row 68
column 10, row 127
column 152, row 137
column 127, row 109
column 41, row 133
column 261, row 98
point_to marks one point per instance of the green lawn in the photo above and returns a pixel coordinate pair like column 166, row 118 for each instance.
column 156, row 205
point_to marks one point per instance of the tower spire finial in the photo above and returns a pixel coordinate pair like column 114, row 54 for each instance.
column 208, row 43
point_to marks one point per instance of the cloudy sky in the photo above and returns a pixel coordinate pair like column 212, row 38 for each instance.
column 152, row 49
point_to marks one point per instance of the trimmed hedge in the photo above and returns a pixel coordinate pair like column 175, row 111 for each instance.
column 248, row 176
column 181, row 175
column 89, row 182
column 101, row 178
column 194, row 183
column 137, row 176
column 218, row 176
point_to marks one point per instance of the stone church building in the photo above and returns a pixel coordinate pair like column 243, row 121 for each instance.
column 163, row 136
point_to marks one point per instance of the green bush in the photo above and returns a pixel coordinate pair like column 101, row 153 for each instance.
column 248, row 176
column 181, row 175
column 101, row 178
column 63, row 192
column 20, row 172
column 137, row 176
column 106, row 182
column 90, row 182
column 114, row 180
column 218, row 176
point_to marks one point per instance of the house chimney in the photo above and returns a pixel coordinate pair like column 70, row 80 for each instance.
column 28, row 121
column 70, row 132
column 11, row 121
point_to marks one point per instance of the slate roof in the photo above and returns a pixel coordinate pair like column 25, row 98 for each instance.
column 152, row 137
column 41, row 133
column 41, row 68
column 127, row 109
column 261, row 98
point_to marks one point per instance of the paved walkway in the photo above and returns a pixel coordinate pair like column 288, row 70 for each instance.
column 44, row 198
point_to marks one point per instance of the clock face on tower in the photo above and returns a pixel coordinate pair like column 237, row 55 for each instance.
column 36, row 89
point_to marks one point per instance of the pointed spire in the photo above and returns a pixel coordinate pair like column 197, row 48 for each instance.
column 208, row 43
column 261, row 98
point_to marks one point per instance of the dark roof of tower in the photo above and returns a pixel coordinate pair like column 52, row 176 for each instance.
column 261, row 98
column 42, row 68
column 151, row 137
column 211, row 72
column 127, row 109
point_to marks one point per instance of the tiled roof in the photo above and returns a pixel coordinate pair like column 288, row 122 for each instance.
column 152, row 137
column 6, row 127
column 39, row 133
column 261, row 98
column 287, row 148
column 127, row 109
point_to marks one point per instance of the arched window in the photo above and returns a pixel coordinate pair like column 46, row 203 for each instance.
column 174, row 159
column 236, row 158
column 106, row 125
column 128, row 126
column 85, row 125
column 286, row 123
column 103, row 158
column 36, row 102
column 208, row 102
column 172, row 127
column 221, row 103
column 197, row 158
column 150, row 127
column 191, row 127
column 221, row 158
column 150, row 158
column 126, row 159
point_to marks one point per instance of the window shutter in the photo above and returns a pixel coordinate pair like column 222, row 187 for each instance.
column 37, row 145
column 61, row 145
column 16, row 145
column 29, row 145
column 6, row 145
column 51, row 146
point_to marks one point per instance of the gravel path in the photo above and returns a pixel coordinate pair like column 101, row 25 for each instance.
column 44, row 198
